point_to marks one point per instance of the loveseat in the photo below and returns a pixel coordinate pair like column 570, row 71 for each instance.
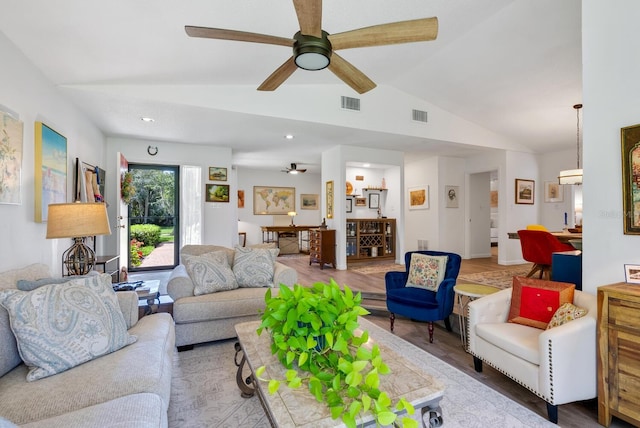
column 128, row 387
column 558, row 364
column 212, row 316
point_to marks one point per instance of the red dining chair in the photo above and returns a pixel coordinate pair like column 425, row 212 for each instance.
column 537, row 248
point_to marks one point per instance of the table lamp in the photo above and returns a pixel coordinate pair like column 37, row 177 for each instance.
column 77, row 220
column 292, row 214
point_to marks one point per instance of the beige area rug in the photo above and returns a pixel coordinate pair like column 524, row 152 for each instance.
column 204, row 393
column 497, row 278
column 378, row 268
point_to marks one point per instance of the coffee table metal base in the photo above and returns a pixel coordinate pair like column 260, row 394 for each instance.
column 429, row 406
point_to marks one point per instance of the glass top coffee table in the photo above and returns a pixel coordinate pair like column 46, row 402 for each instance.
column 298, row 408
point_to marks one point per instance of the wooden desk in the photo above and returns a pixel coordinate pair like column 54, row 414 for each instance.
column 272, row 234
column 562, row 236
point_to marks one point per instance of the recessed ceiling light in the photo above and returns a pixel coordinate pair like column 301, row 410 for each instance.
column 366, row 165
column 289, row 136
column 147, row 119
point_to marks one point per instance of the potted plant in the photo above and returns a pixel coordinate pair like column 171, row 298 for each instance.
column 313, row 332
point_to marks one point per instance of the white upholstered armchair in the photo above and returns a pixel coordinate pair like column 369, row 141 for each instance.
column 558, row 365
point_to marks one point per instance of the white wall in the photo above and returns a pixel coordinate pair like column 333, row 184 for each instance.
column 552, row 213
column 26, row 92
column 610, row 96
column 306, row 183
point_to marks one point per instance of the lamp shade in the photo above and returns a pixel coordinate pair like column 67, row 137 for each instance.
column 76, row 220
column 570, row 176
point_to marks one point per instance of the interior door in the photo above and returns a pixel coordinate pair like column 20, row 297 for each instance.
column 122, row 214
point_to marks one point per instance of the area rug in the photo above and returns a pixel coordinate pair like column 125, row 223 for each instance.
column 204, row 393
column 378, row 268
column 496, row 278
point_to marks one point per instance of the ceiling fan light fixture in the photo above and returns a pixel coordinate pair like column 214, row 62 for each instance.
column 312, row 53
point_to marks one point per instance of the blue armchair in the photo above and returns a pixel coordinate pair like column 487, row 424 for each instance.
column 418, row 303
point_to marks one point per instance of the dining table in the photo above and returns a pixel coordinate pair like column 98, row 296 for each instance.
column 563, row 236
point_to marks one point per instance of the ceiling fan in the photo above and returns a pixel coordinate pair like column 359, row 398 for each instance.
column 294, row 169
column 314, row 48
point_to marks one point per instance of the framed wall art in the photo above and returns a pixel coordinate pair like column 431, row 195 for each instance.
column 451, row 195
column 630, row 137
column 419, row 197
column 217, row 173
column 50, row 171
column 374, row 200
column 329, row 191
column 240, row 198
column 216, row 193
column 632, row 274
column 11, row 138
column 270, row 200
column 309, row 201
column 553, row 192
column 525, row 191
column 349, row 205
column 361, row 202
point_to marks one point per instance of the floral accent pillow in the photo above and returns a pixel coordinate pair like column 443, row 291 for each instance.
column 254, row 267
column 60, row 326
column 426, row 271
column 565, row 313
column 210, row 272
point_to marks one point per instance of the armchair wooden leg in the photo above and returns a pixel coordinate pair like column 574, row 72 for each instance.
column 477, row 364
column 552, row 412
column 447, row 324
column 392, row 318
column 430, row 332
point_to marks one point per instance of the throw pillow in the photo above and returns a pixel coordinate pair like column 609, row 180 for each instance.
column 26, row 285
column 210, row 273
column 253, row 267
column 426, row 271
column 59, row 326
column 565, row 313
column 534, row 301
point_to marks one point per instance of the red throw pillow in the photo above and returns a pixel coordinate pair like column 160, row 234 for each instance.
column 534, row 301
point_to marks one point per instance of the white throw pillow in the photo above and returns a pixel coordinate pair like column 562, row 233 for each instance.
column 254, row 267
column 426, row 271
column 210, row 272
column 59, row 326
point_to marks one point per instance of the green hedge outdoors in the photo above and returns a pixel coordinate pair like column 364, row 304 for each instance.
column 147, row 233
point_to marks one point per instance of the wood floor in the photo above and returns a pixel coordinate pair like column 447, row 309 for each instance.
column 447, row 345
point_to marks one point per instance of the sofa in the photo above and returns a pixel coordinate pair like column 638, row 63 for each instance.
column 557, row 364
column 212, row 316
column 128, row 387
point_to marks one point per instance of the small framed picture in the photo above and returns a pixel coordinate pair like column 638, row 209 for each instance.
column 374, row 201
column 217, row 193
column 451, row 194
column 553, row 192
column 217, row 173
column 632, row 274
column 525, row 191
column 349, row 205
column 309, row 201
column 419, row 197
column 361, row 202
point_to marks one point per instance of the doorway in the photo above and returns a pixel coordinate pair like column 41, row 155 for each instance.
column 153, row 217
column 483, row 214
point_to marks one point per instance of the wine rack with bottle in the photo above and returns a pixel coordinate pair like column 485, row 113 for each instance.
column 369, row 239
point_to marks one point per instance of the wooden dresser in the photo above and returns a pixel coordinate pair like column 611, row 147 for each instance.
column 619, row 353
column 322, row 247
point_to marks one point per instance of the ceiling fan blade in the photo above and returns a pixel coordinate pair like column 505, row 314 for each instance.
column 309, row 16
column 279, row 76
column 350, row 75
column 418, row 30
column 242, row 36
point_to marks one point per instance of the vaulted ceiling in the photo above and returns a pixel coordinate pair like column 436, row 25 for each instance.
column 512, row 67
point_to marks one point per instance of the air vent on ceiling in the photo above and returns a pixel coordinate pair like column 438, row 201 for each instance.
column 349, row 103
column 419, row 116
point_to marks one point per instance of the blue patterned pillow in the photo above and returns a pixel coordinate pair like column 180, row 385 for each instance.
column 59, row 326
column 426, row 271
column 253, row 267
column 210, row 272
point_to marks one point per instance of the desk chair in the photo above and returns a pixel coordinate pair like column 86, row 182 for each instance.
column 537, row 248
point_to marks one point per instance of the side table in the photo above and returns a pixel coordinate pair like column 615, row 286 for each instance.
column 110, row 265
column 466, row 293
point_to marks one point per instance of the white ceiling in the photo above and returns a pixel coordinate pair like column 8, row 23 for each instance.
column 511, row 66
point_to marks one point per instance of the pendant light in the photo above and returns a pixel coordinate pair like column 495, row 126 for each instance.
column 573, row 176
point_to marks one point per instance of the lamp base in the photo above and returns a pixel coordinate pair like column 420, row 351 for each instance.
column 79, row 259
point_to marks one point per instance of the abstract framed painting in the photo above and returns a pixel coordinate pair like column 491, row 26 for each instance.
column 50, row 172
column 419, row 197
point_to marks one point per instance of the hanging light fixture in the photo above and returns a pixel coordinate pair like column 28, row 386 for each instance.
column 573, row 176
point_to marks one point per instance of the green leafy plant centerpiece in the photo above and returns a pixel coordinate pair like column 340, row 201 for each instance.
column 313, row 332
